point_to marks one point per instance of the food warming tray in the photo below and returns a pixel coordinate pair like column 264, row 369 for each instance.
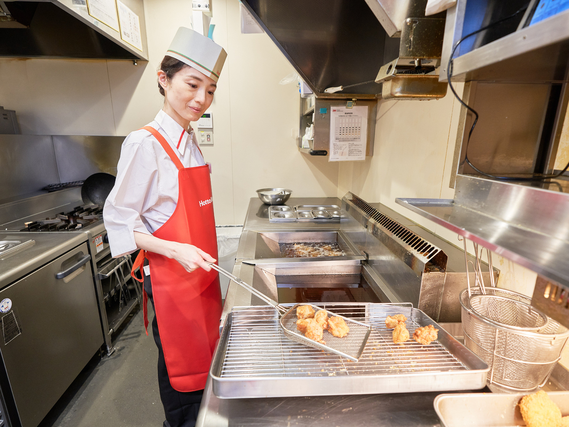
column 254, row 359
column 305, row 213
column 488, row 409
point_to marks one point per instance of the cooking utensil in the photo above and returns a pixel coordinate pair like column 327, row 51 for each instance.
column 274, row 196
column 254, row 359
column 351, row 346
column 96, row 188
column 520, row 344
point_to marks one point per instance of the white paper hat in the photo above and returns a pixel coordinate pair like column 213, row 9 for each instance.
column 198, row 51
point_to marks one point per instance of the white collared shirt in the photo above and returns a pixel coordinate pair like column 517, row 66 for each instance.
column 146, row 189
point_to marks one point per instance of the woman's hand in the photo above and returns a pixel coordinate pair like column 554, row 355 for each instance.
column 189, row 256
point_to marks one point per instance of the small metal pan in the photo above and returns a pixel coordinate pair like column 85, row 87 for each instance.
column 351, row 346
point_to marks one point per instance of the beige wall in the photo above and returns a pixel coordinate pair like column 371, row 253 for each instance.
column 255, row 118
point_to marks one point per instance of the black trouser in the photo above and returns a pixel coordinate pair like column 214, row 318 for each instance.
column 181, row 409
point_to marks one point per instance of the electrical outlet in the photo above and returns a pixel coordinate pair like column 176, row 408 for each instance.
column 205, row 137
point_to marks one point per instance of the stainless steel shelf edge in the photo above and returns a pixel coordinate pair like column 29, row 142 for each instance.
column 535, row 53
column 524, row 224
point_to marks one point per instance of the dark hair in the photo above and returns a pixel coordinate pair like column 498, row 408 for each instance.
column 170, row 66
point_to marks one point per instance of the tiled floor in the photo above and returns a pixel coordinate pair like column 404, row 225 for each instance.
column 117, row 391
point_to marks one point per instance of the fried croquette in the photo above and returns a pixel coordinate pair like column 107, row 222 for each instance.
column 538, row 410
column 305, row 312
column 321, row 317
column 565, row 421
column 337, row 327
column 400, row 333
column 392, row 321
column 426, row 334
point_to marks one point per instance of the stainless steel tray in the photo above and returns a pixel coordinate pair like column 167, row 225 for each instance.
column 255, row 359
column 305, row 213
column 488, row 409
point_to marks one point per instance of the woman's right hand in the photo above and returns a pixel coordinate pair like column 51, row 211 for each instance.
column 191, row 257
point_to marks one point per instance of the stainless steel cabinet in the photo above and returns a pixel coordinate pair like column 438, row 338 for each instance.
column 50, row 330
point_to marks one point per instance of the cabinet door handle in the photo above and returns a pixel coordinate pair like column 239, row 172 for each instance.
column 74, row 267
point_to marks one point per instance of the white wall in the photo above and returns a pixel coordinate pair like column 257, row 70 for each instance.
column 255, row 118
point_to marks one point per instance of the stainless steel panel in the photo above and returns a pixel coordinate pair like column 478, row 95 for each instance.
column 28, row 164
column 525, row 224
column 488, row 409
column 392, row 13
column 329, row 42
column 47, row 246
column 60, row 331
column 534, row 54
column 507, row 136
column 81, row 156
column 254, row 359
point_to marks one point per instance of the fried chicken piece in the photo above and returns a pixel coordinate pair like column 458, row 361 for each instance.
column 426, row 334
column 305, row 312
column 400, row 333
column 321, row 317
column 337, row 327
column 311, row 329
column 392, row 321
column 302, row 325
column 538, row 410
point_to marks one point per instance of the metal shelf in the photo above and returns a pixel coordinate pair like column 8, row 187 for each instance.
column 528, row 225
column 533, row 54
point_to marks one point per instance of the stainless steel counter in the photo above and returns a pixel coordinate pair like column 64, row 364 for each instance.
column 405, row 409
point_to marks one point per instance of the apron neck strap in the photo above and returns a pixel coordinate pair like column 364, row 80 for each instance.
column 166, row 146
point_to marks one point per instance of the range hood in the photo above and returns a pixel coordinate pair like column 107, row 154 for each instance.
column 64, row 29
column 333, row 43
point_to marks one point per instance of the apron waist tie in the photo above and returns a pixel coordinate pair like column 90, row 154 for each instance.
column 139, row 265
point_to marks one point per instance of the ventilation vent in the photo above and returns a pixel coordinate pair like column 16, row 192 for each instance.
column 413, row 242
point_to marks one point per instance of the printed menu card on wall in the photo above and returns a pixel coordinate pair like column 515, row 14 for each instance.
column 104, row 11
column 130, row 26
column 348, row 133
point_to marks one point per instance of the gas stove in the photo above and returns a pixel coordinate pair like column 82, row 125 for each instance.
column 75, row 220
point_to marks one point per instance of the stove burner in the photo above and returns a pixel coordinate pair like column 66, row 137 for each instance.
column 76, row 219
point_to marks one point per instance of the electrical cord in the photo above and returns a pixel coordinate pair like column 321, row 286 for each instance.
column 476, row 116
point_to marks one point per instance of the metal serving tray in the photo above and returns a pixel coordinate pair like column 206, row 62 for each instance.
column 305, row 213
column 488, row 409
column 255, row 359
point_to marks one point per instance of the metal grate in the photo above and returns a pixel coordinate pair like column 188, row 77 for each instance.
column 407, row 237
column 257, row 347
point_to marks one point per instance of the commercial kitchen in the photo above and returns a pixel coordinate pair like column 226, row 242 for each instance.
column 443, row 202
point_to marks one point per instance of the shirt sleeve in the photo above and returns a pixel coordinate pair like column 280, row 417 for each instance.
column 137, row 169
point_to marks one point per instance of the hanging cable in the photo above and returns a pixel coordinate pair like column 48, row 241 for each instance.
column 476, row 116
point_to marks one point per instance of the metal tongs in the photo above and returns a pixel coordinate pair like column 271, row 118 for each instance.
column 281, row 309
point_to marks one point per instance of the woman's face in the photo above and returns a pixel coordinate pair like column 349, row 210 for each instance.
column 187, row 95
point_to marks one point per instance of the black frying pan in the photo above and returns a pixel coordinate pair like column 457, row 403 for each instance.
column 96, row 188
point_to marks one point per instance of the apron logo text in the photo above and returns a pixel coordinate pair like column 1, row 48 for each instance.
column 205, row 202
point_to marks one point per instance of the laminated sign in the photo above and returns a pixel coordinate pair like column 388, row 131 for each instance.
column 348, row 133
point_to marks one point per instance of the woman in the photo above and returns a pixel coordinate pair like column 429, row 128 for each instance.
column 162, row 204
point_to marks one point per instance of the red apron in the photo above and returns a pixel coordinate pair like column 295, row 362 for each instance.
column 187, row 305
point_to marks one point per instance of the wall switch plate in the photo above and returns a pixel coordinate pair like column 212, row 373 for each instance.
column 205, row 137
